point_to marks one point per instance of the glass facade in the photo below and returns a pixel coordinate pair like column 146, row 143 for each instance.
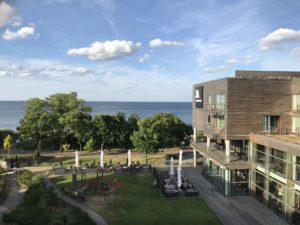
column 278, row 162
column 220, row 101
column 296, row 124
column 296, row 102
column 220, row 121
column 260, row 158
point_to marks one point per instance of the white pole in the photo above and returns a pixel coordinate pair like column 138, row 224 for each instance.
column 172, row 167
column 101, row 158
column 180, row 158
column 195, row 157
column 179, row 176
column 76, row 159
column 129, row 157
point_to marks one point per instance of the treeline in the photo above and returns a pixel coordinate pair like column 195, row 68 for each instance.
column 62, row 119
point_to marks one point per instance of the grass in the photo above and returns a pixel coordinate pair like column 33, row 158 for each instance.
column 137, row 202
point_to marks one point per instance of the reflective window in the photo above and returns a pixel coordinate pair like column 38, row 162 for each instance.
column 220, row 121
column 239, row 175
column 296, row 102
column 260, row 155
column 277, row 162
column 220, row 101
column 260, row 180
column 298, row 168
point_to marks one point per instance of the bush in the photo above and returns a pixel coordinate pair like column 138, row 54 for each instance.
column 24, row 177
column 41, row 206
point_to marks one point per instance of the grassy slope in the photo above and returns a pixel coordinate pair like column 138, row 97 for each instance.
column 140, row 203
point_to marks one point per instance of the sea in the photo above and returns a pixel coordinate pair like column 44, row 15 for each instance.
column 12, row 111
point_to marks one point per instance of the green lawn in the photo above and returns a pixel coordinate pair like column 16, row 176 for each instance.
column 137, row 202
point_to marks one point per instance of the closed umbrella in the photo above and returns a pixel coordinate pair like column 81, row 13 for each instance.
column 129, row 157
column 101, row 158
column 180, row 158
column 76, row 159
column 172, row 167
column 179, row 176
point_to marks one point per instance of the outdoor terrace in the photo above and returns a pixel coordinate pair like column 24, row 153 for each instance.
column 219, row 157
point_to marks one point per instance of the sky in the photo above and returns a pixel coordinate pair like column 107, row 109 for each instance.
column 140, row 50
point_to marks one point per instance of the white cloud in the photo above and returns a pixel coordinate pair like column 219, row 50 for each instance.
column 22, row 33
column 277, row 37
column 81, row 71
column 232, row 61
column 295, row 51
column 4, row 73
column 7, row 14
column 106, row 50
column 158, row 42
column 215, row 69
column 144, row 58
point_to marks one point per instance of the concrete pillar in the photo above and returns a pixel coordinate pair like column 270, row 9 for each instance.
column 227, row 182
column 195, row 157
column 195, row 134
column 227, row 150
column 208, row 143
column 251, row 152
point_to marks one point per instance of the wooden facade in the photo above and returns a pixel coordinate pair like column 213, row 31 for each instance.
column 249, row 97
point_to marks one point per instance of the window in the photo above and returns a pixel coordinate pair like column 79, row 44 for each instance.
column 296, row 124
column 271, row 123
column 209, row 101
column 220, row 101
column 208, row 119
column 277, row 162
column 220, row 121
column 296, row 102
column 260, row 155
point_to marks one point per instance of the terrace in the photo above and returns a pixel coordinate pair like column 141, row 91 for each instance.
column 217, row 154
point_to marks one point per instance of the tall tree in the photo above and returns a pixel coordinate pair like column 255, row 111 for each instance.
column 145, row 139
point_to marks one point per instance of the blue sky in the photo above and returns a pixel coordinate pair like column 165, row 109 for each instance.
column 126, row 50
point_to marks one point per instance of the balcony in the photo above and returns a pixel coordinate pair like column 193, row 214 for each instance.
column 217, row 153
column 296, row 109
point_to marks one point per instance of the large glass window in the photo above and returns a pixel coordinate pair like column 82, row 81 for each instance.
column 220, row 121
column 239, row 175
column 277, row 162
column 209, row 101
column 220, row 101
column 277, row 192
column 296, row 102
column 296, row 124
column 260, row 180
column 260, row 155
column 298, row 168
column 270, row 123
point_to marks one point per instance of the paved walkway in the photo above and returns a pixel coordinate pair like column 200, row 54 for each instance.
column 14, row 194
column 232, row 210
column 92, row 214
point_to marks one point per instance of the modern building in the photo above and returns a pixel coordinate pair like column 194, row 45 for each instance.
column 247, row 128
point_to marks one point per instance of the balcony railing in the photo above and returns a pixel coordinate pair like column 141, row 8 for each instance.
column 296, row 109
column 217, row 152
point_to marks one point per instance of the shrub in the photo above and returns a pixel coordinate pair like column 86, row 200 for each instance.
column 24, row 177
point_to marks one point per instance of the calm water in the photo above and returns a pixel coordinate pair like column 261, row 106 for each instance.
column 12, row 111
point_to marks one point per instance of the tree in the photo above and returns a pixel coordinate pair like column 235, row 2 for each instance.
column 8, row 143
column 145, row 139
column 36, row 156
column 50, row 120
column 77, row 124
column 90, row 145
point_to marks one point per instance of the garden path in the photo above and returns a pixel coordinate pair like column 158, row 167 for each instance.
column 14, row 194
column 92, row 214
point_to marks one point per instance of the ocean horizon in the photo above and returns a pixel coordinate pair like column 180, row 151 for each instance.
column 11, row 112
